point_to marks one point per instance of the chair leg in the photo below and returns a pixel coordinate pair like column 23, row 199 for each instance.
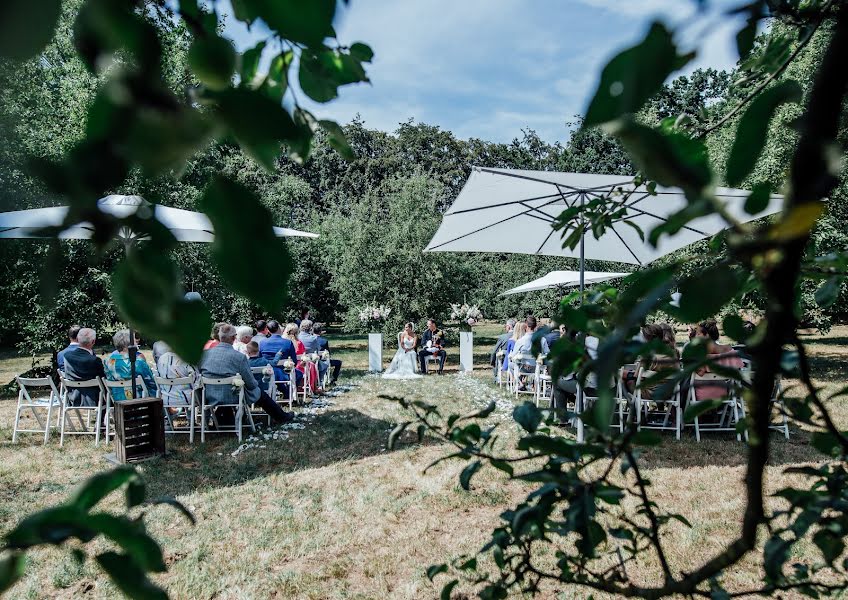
column 697, row 430
column 106, row 418
column 64, row 415
column 17, row 423
column 203, row 422
column 97, row 423
column 47, row 424
column 679, row 420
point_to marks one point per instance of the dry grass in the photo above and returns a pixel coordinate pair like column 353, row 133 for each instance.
column 331, row 513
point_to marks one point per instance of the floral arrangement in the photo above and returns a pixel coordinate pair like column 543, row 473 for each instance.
column 288, row 364
column 466, row 314
column 374, row 315
column 267, row 372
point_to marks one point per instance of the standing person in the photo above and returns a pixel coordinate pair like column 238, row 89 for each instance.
column 261, row 326
column 433, row 341
column 73, row 332
column 224, row 361
column 82, row 365
column 500, row 344
column 323, row 344
column 118, row 367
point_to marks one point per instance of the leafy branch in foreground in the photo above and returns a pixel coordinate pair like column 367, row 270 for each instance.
column 138, row 553
column 590, row 519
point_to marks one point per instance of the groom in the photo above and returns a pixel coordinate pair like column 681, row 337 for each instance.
column 433, row 342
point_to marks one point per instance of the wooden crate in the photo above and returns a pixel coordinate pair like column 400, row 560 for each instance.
column 139, row 429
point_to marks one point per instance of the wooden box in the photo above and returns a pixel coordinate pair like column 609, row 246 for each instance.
column 139, row 429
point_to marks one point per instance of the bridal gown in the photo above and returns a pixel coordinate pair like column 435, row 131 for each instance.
column 403, row 363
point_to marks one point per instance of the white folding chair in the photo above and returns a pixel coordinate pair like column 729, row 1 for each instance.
column 731, row 411
column 775, row 402
column 291, row 383
column 67, row 427
column 36, row 402
column 523, row 378
column 109, row 406
column 306, row 390
column 501, row 374
column 239, row 406
column 664, row 408
column 324, row 356
column 164, row 387
column 434, row 359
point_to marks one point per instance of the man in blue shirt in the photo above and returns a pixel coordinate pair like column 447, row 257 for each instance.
column 277, row 348
column 323, row 344
column 73, row 332
column 257, row 360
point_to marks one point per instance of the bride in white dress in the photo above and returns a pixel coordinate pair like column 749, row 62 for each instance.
column 405, row 359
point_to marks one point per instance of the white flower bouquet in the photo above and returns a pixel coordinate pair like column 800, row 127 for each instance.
column 466, row 314
column 288, row 365
column 374, row 315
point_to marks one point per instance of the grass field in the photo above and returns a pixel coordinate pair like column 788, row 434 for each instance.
column 329, row 512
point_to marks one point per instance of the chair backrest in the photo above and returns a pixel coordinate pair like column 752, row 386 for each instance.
column 220, row 381
column 88, row 383
column 124, row 384
column 160, row 381
column 645, row 373
column 27, row 383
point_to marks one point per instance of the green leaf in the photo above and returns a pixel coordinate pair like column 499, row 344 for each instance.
column 178, row 505
column 671, row 158
column 633, row 76
column 277, row 80
column 250, row 62
column 321, row 72
column 830, row 544
column 448, row 588
column 705, row 293
column 753, row 129
column 11, row 570
column 467, row 473
column 94, row 489
column 528, row 416
column 797, row 222
column 825, row 442
column 163, row 140
column 104, row 27
column 295, row 20
column 696, row 409
column 502, row 466
column 50, row 526
column 129, row 578
column 434, row 570
column 226, row 202
column 647, row 438
column 259, row 124
column 336, row 138
column 131, row 537
column 361, row 52
column 734, row 327
column 26, row 26
column 213, row 60
column 136, row 492
column 748, row 34
column 828, row 292
column 758, row 199
column 147, row 278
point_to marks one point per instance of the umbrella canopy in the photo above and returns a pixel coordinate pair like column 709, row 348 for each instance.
column 510, row 210
column 562, row 278
column 186, row 225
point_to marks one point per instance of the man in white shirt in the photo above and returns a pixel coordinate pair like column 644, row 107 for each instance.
column 525, row 344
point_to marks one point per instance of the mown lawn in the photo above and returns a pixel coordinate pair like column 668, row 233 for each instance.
column 329, row 512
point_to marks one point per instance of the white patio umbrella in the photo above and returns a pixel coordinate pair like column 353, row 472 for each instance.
column 186, row 225
column 513, row 210
column 562, row 279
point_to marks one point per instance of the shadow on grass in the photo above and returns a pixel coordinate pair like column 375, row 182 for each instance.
column 332, row 437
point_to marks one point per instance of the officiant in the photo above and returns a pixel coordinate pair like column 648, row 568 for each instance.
column 433, row 342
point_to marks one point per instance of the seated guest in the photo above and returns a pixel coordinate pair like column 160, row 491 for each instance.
column 566, row 387
column 275, row 342
column 171, row 366
column 244, row 334
column 117, row 367
column 659, row 362
column 257, row 360
column 82, row 365
column 554, row 334
column 517, row 333
column 323, row 344
column 73, row 331
column 213, row 337
column 524, row 346
column 717, row 354
column 224, row 361
column 433, row 344
column 159, row 348
column 261, row 326
column 500, row 344
column 291, row 334
column 310, row 344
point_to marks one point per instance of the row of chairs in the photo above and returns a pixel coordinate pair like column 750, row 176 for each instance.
column 40, row 399
column 650, row 413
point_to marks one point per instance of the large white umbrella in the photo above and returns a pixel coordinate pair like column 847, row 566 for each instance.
column 564, row 279
column 186, row 225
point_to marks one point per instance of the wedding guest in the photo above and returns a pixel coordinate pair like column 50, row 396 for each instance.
column 303, row 366
column 718, row 354
column 554, row 334
column 82, row 365
column 244, row 334
column 304, row 316
column 517, row 333
column 73, row 332
column 659, row 362
column 118, row 367
column 223, row 361
column 566, row 387
column 525, row 344
column 159, row 348
column 435, row 347
column 310, row 343
column 257, row 360
column 275, row 342
column 323, row 344
column 500, row 344
column 213, row 337
column 171, row 366
column 261, row 326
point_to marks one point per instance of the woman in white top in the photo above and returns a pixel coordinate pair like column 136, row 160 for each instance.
column 403, row 363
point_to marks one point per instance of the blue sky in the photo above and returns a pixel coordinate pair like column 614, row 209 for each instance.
column 490, row 68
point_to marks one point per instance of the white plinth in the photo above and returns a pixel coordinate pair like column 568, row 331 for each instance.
column 375, row 352
column 466, row 351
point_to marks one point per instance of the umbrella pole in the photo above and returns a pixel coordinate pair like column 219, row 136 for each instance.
column 579, row 406
column 132, row 350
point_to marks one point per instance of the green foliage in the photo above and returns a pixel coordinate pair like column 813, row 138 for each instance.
column 140, row 554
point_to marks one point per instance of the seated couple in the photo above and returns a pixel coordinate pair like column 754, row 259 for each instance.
column 432, row 344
